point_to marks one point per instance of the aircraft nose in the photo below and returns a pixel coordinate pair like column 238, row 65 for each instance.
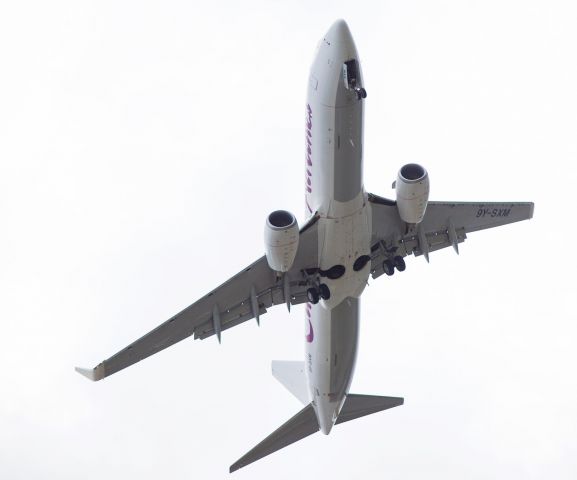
column 339, row 33
column 340, row 43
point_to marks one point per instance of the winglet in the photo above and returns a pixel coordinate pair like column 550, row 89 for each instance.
column 94, row 374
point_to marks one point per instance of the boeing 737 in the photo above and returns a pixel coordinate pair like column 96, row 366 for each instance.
column 348, row 236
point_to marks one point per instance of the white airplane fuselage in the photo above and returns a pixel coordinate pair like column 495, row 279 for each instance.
column 334, row 191
column 327, row 262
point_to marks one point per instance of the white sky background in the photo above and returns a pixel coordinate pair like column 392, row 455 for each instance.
column 142, row 145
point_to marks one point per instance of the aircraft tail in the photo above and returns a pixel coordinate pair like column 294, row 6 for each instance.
column 292, row 375
column 298, row 427
column 305, row 423
column 357, row 406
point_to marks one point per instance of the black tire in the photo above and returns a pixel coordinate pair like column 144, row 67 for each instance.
column 399, row 263
column 388, row 267
column 363, row 93
column 313, row 295
column 324, row 291
column 361, row 262
column 334, row 273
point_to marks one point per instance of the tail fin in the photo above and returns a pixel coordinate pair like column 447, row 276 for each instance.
column 292, row 375
column 357, row 406
column 298, row 427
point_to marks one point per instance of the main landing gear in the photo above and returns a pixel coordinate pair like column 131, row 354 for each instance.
column 390, row 265
column 315, row 294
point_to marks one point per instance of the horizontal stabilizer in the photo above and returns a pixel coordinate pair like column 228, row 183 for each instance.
column 360, row 405
column 298, row 427
column 292, row 375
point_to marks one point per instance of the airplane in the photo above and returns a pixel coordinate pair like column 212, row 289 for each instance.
column 349, row 236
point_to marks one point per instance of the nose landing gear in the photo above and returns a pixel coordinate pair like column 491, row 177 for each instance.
column 361, row 92
column 352, row 77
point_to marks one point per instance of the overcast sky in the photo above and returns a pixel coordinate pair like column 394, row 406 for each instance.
column 143, row 143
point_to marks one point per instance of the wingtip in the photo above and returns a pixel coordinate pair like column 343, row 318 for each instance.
column 93, row 374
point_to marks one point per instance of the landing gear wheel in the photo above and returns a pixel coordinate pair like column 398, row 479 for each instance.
column 361, row 92
column 388, row 267
column 399, row 263
column 313, row 295
column 324, row 291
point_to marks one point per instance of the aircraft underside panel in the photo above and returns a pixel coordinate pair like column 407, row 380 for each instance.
column 331, row 351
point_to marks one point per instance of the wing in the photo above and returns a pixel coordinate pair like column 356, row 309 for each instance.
column 445, row 224
column 245, row 296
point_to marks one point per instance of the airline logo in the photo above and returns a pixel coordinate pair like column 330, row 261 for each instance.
column 311, row 334
column 308, row 154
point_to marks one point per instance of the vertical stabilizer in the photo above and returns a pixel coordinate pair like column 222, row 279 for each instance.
column 292, row 375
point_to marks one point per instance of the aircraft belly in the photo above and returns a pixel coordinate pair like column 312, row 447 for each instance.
column 334, row 190
column 331, row 350
column 334, row 137
column 341, row 242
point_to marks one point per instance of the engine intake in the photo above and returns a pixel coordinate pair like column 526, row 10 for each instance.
column 281, row 239
column 412, row 187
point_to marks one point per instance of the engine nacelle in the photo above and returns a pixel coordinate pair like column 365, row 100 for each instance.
column 281, row 240
column 412, row 187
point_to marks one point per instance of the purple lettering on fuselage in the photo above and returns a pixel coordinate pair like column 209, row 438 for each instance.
column 311, row 334
column 309, row 154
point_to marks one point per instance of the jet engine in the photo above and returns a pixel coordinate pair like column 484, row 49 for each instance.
column 412, row 187
column 281, row 239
